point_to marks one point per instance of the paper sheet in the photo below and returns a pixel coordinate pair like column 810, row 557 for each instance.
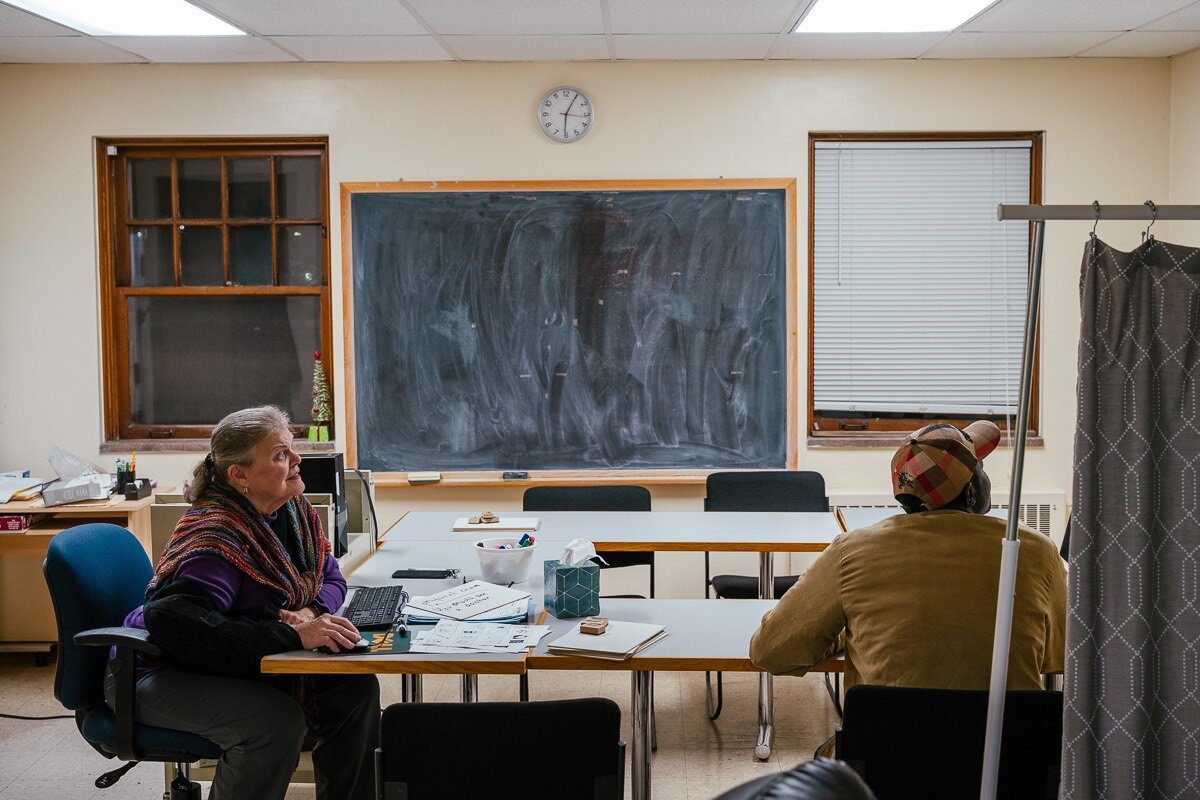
column 450, row 636
column 469, row 600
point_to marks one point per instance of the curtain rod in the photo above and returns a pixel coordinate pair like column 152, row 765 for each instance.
column 1146, row 211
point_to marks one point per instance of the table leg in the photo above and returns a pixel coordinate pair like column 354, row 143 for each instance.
column 470, row 688
column 640, row 762
column 411, row 689
column 766, row 688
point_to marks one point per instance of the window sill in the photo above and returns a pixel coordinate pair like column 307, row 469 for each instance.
column 194, row 446
column 888, row 440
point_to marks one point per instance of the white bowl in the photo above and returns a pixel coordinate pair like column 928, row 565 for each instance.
column 504, row 566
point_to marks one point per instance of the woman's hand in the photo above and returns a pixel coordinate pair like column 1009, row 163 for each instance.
column 294, row 618
column 336, row 633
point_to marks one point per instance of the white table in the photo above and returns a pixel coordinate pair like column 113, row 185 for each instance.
column 764, row 532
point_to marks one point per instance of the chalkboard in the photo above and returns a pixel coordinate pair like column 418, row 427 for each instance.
column 557, row 328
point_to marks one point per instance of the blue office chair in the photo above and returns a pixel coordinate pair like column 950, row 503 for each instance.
column 757, row 490
column 97, row 573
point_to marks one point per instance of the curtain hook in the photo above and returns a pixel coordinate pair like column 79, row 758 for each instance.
column 1146, row 234
column 1096, row 209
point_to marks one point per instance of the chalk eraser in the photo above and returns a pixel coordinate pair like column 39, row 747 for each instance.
column 424, row 477
column 515, row 475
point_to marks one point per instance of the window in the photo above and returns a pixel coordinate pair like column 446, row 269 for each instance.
column 918, row 293
column 214, row 275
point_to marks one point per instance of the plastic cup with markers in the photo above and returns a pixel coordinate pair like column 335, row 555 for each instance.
column 506, row 559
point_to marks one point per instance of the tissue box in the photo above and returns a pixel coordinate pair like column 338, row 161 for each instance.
column 572, row 591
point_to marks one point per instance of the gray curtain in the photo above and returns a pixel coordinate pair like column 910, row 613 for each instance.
column 1131, row 725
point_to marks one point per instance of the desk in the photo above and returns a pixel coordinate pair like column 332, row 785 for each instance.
column 764, row 532
column 26, row 613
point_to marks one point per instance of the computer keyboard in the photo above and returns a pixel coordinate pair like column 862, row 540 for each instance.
column 374, row 606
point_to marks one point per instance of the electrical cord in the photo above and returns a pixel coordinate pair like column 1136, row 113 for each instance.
column 22, row 716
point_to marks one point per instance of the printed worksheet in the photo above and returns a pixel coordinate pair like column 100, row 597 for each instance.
column 469, row 600
column 449, row 636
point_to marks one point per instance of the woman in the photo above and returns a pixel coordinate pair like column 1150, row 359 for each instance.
column 247, row 573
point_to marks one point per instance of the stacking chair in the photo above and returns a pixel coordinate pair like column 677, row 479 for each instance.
column 819, row 779
column 561, row 749
column 921, row 743
column 780, row 490
column 97, row 573
column 597, row 498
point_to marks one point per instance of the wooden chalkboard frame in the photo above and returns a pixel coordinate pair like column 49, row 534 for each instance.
column 568, row 477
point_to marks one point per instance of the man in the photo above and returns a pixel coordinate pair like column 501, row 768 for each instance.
column 915, row 595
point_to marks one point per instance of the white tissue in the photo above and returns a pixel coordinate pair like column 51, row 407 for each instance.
column 578, row 551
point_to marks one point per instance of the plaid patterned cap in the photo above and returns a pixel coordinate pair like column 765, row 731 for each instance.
column 938, row 461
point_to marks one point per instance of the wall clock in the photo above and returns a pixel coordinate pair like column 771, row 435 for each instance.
column 565, row 114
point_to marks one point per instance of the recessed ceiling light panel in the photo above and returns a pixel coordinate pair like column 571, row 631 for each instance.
column 130, row 17
column 888, row 16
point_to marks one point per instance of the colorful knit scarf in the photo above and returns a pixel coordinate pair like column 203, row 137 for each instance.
column 223, row 524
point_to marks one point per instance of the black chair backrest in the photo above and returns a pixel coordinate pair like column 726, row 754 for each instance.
column 97, row 573
column 766, row 490
column 586, row 498
column 819, row 779
column 561, row 749
column 922, row 743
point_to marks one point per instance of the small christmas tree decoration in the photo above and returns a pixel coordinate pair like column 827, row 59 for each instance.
column 321, row 413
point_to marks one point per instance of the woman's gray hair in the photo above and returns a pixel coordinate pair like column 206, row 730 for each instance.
column 233, row 442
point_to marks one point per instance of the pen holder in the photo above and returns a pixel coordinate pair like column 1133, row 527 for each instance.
column 510, row 565
column 572, row 591
column 124, row 478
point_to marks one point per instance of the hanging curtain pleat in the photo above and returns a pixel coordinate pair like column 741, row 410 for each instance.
column 1132, row 686
column 919, row 292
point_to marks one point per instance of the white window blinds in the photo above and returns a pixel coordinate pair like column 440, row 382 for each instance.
column 918, row 291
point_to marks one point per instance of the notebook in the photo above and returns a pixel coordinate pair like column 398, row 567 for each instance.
column 505, row 524
column 472, row 599
column 619, row 641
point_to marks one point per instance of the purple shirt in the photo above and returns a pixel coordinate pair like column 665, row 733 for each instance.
column 234, row 593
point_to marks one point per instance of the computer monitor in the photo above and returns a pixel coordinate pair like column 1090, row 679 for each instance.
column 324, row 473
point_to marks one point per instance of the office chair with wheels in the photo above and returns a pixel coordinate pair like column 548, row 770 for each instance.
column 819, row 779
column 921, row 743
column 97, row 573
column 776, row 490
column 561, row 749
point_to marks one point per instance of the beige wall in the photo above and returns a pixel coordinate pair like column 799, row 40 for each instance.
column 1114, row 130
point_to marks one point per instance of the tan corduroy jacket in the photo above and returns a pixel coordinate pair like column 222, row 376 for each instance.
column 916, row 597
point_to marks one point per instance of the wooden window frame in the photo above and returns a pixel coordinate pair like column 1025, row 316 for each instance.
column 112, row 156
column 880, row 431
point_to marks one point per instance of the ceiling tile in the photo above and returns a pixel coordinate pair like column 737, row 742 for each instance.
column 1004, row 44
column 700, row 16
column 60, row 50
column 1146, row 44
column 15, row 22
column 697, row 46
column 528, row 48
column 1072, row 15
column 1187, row 19
column 364, row 48
column 855, row 45
column 318, row 17
column 199, row 49
column 510, row 17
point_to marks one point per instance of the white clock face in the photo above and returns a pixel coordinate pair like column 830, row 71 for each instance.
column 565, row 114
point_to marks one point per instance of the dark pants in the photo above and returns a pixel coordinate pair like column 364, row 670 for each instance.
column 260, row 729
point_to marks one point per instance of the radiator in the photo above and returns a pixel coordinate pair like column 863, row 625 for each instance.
column 1044, row 510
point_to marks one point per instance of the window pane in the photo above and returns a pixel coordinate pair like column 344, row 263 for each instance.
column 200, row 261
column 253, row 350
column 150, row 258
column 200, row 188
column 149, row 188
column 301, row 254
column 250, row 187
column 250, row 255
column 298, row 187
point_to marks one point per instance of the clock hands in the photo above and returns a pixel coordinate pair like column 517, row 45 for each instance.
column 567, row 112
